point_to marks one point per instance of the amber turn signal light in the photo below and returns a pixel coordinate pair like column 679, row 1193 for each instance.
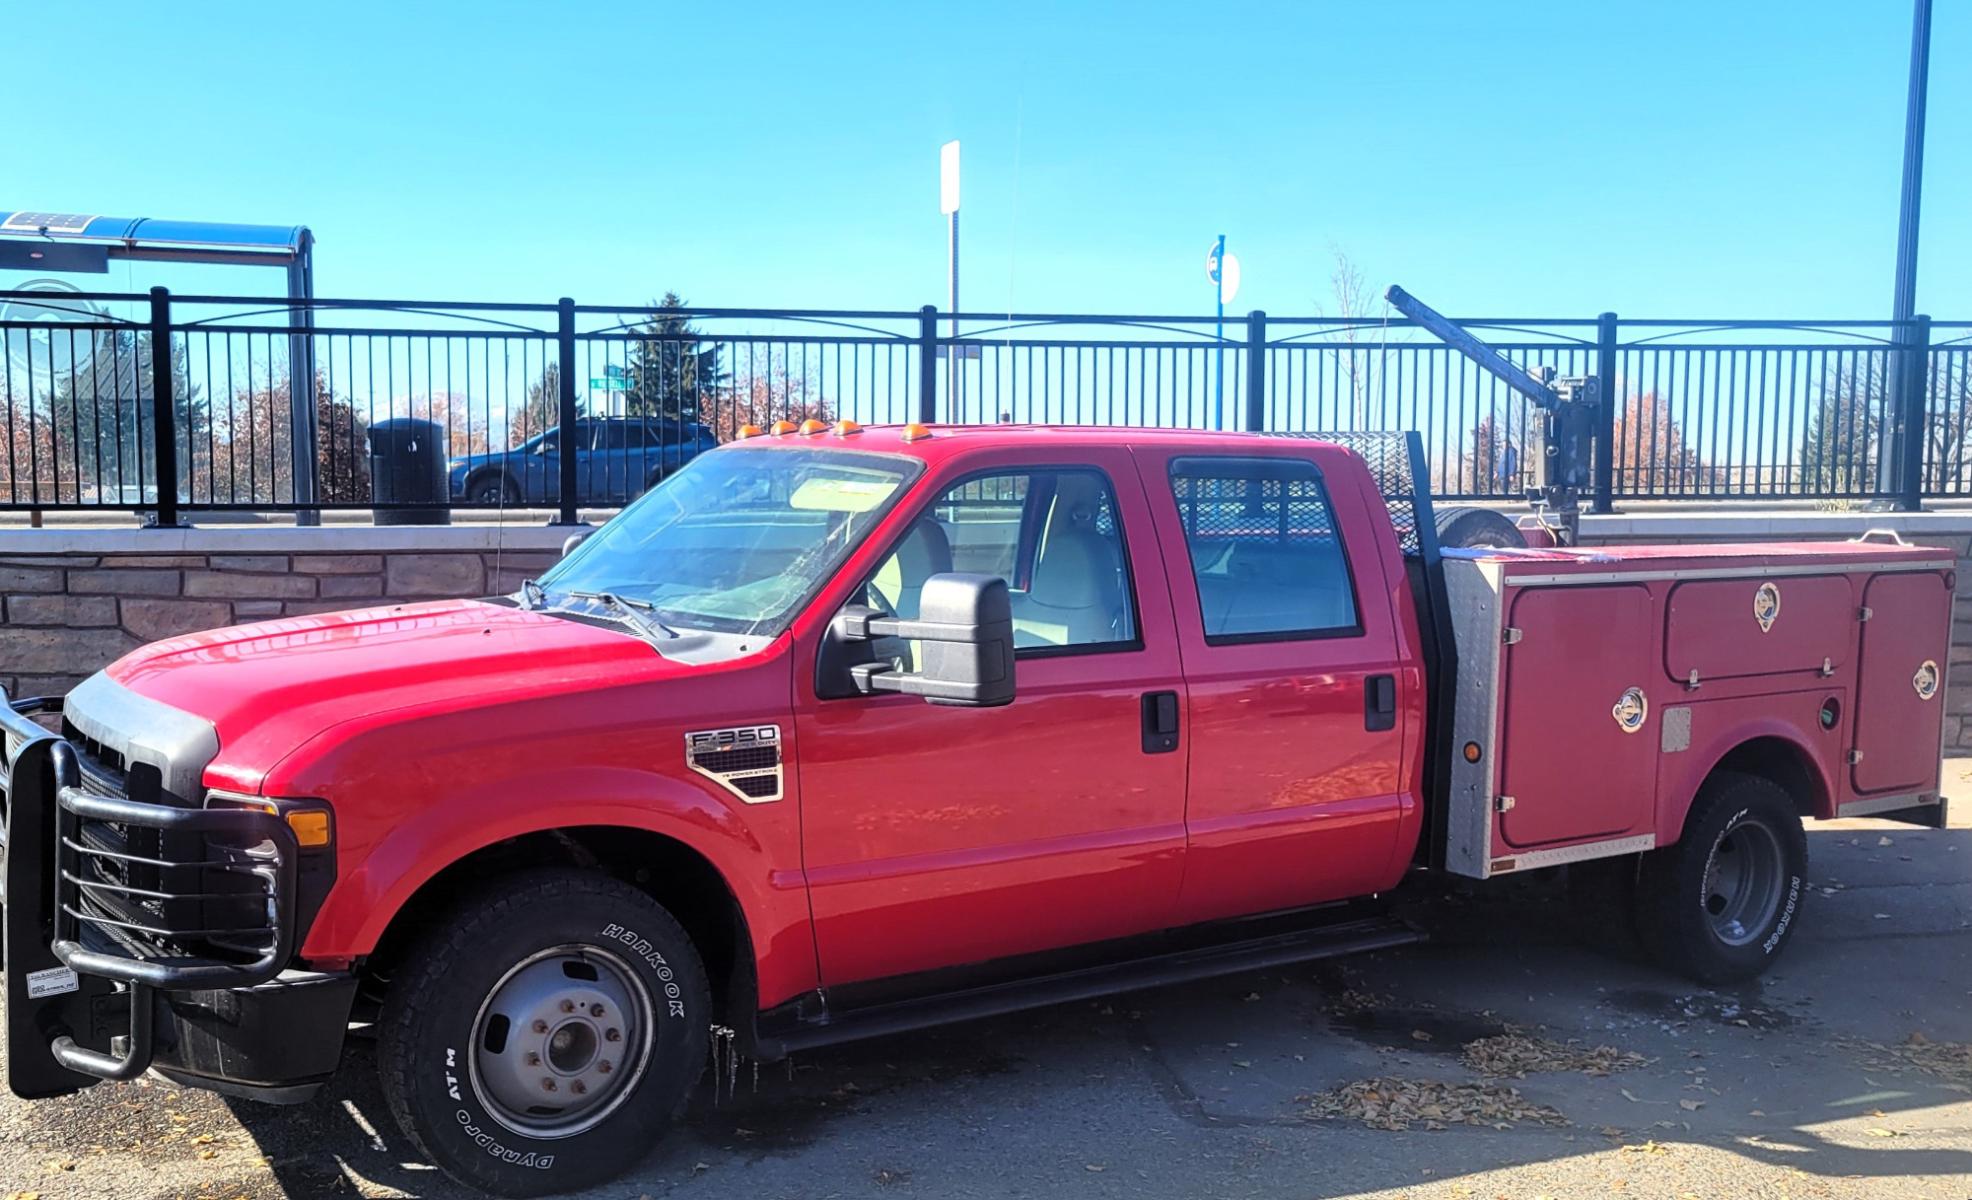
column 1472, row 752
column 311, row 826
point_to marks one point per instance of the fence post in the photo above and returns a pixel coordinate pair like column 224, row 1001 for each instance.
column 164, row 413
column 927, row 364
column 1913, row 393
column 1256, row 372
column 565, row 402
column 1605, row 420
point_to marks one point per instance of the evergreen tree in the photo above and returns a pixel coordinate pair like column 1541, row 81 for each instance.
column 99, row 419
column 674, row 373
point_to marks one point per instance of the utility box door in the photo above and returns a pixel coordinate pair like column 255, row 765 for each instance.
column 1571, row 768
column 1730, row 628
column 1904, row 651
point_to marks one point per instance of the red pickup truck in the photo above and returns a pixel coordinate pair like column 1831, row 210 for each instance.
column 841, row 731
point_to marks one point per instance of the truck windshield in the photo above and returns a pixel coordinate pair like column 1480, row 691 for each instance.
column 737, row 540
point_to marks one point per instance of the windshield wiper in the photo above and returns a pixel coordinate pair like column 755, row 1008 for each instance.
column 532, row 594
column 650, row 625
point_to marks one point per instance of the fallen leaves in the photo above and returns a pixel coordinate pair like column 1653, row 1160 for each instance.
column 1515, row 1055
column 1398, row 1104
column 1949, row 1061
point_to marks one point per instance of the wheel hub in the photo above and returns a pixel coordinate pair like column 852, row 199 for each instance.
column 1743, row 880
column 560, row 1041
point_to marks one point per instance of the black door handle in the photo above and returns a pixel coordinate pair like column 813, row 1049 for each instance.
column 1380, row 703
column 1160, row 722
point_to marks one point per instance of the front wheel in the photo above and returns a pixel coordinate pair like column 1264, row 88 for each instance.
column 1719, row 905
column 494, row 489
column 543, row 1038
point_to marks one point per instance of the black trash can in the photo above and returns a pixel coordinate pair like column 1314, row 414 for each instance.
column 407, row 467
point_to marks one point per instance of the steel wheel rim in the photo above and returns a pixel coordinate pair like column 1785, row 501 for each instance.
column 561, row 1041
column 1743, row 883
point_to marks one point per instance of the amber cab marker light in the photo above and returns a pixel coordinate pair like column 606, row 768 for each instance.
column 1472, row 752
column 811, row 426
column 914, row 431
column 747, row 431
column 846, row 428
column 782, row 427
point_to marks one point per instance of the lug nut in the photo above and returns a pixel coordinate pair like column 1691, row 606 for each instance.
column 595, row 1010
column 548, row 1085
column 613, row 1035
column 603, row 1066
column 540, row 1026
column 568, row 1006
column 578, row 1087
column 533, row 1059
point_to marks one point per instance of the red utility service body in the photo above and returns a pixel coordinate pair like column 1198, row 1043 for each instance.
column 910, row 837
column 1826, row 657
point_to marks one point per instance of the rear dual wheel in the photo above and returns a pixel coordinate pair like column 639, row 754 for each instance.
column 542, row 1039
column 1719, row 905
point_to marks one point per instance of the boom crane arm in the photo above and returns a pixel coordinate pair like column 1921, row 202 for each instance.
column 1568, row 411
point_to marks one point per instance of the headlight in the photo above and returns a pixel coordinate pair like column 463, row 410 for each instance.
column 457, row 464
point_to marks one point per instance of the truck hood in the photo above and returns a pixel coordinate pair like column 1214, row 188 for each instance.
column 269, row 687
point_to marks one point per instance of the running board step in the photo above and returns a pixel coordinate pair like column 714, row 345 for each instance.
column 1183, row 966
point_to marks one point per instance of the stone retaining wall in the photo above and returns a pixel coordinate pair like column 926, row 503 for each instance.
column 65, row 612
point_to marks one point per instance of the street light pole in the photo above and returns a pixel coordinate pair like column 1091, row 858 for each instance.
column 1905, row 304
column 948, row 203
column 1899, row 467
column 1219, row 347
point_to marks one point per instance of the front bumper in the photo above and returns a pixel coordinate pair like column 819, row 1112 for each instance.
column 132, row 919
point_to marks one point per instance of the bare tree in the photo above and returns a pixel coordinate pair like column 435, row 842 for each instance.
column 1352, row 299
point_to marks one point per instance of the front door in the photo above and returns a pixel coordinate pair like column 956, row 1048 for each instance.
column 1303, row 749
column 937, row 836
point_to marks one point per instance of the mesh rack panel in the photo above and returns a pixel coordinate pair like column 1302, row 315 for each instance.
column 1396, row 463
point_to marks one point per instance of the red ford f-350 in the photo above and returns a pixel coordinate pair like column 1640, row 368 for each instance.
column 841, row 731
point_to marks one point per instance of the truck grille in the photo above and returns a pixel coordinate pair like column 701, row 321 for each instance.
column 158, row 889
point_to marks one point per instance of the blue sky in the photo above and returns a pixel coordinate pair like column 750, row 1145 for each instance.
column 1658, row 159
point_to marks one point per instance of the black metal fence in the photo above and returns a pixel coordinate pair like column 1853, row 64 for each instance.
column 173, row 405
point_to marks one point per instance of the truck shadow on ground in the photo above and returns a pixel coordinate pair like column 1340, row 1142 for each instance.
column 869, row 1118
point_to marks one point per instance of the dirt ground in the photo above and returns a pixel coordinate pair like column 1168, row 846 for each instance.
column 1523, row 1052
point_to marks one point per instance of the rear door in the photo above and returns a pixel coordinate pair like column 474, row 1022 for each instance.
column 1900, row 682
column 1298, row 696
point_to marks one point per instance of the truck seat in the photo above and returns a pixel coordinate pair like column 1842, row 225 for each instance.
column 924, row 552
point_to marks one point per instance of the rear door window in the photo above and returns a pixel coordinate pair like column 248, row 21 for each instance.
column 1266, row 556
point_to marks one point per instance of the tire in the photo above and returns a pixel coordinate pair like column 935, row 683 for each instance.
column 493, row 489
column 1461, row 526
column 528, row 986
column 1719, row 906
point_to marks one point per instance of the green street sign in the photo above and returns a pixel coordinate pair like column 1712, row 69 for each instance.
column 609, row 383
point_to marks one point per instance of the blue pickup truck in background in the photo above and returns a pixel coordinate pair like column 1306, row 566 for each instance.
column 617, row 459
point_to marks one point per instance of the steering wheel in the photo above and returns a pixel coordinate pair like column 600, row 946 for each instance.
column 879, row 600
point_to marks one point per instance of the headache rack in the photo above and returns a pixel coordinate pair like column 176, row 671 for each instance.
column 110, row 877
